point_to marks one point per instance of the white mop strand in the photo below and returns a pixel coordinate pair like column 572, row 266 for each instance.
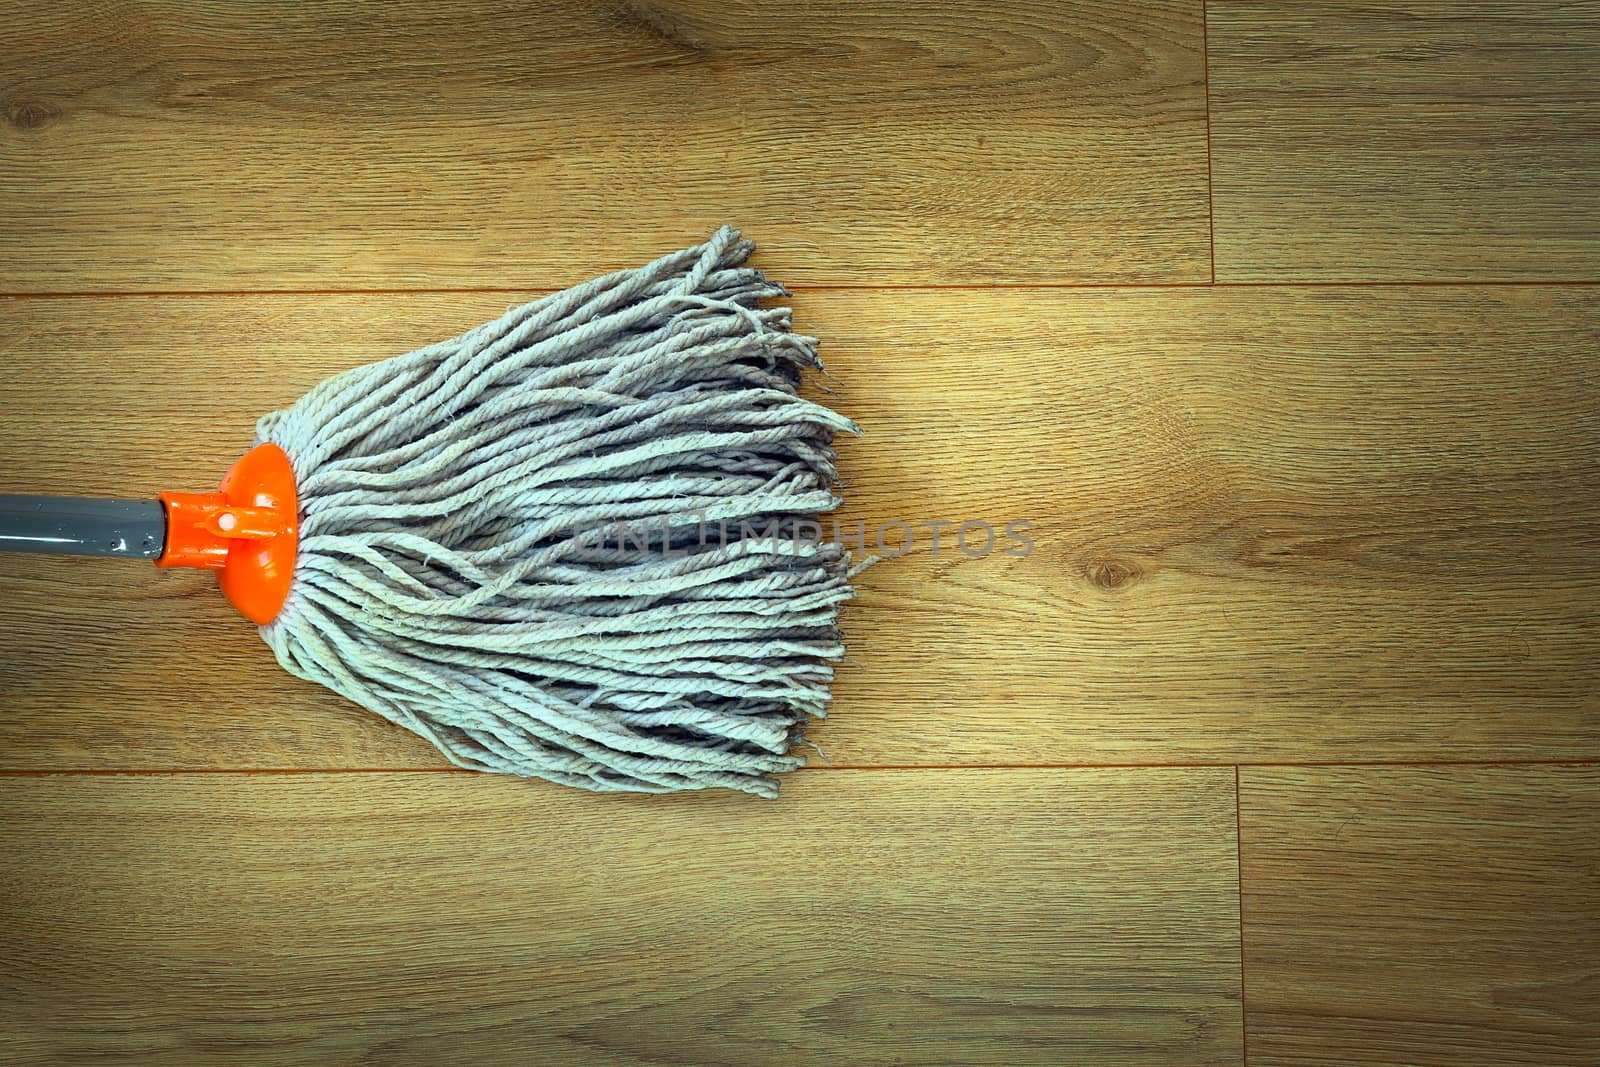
column 502, row 546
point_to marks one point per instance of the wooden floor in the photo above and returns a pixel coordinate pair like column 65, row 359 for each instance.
column 1278, row 321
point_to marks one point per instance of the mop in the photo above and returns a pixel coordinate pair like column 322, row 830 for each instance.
column 578, row 543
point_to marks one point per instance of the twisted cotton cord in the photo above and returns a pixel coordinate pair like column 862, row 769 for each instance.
column 578, row 542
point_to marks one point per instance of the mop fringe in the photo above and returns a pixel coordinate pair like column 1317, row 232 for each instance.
column 580, row 542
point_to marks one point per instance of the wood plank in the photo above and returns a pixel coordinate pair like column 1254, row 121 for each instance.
column 1431, row 917
column 1269, row 524
column 1405, row 139
column 190, row 145
column 865, row 918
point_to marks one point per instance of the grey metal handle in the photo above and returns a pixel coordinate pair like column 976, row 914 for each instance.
column 82, row 526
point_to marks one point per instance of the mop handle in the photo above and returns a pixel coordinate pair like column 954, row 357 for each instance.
column 82, row 526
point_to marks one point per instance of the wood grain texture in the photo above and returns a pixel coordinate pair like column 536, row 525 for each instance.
column 866, row 918
column 1268, row 524
column 1405, row 139
column 189, row 145
column 1441, row 917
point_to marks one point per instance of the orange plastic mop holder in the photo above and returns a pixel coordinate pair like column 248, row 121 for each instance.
column 248, row 532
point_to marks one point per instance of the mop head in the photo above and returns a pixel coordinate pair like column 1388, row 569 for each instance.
column 579, row 542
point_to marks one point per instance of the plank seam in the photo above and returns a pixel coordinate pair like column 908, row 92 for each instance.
column 536, row 291
column 1238, row 852
column 39, row 772
column 1205, row 89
